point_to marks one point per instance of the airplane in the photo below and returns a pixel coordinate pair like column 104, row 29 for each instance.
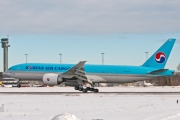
column 83, row 76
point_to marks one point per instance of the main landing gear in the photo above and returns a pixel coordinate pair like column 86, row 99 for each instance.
column 85, row 90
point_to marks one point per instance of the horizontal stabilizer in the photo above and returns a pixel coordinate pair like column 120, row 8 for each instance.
column 158, row 71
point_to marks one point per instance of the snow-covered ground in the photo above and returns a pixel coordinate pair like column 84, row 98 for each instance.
column 90, row 107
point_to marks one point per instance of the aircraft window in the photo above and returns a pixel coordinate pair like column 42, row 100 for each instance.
column 9, row 69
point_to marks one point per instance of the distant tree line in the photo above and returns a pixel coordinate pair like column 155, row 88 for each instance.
column 168, row 81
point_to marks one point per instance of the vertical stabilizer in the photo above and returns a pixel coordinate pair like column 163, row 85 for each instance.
column 160, row 57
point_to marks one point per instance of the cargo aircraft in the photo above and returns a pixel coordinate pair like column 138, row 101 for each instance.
column 83, row 76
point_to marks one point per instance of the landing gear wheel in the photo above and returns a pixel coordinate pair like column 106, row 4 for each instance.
column 80, row 89
column 96, row 90
column 76, row 87
column 84, row 90
column 88, row 88
column 91, row 89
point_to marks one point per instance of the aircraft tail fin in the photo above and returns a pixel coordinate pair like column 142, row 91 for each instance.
column 160, row 57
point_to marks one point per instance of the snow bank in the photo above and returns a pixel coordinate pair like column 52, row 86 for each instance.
column 65, row 116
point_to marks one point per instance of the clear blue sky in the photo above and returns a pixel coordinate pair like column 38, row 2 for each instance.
column 82, row 29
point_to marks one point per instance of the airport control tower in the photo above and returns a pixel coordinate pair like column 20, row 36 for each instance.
column 5, row 46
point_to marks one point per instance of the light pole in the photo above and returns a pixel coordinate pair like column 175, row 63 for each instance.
column 102, row 58
column 146, row 55
column 60, row 55
column 26, row 57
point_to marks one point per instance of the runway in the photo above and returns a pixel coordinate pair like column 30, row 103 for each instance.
column 103, row 90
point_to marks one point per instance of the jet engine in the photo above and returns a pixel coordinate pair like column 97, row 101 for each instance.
column 52, row 79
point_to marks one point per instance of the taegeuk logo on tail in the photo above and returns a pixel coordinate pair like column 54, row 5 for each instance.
column 160, row 57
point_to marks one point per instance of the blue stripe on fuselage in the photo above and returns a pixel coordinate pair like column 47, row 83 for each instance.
column 91, row 69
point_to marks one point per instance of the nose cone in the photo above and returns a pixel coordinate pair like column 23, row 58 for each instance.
column 7, row 76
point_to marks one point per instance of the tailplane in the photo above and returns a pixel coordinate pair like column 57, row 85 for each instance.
column 160, row 57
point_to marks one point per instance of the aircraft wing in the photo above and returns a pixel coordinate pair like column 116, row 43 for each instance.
column 76, row 71
column 157, row 71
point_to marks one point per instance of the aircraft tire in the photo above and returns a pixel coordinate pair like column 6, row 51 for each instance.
column 96, row 90
column 84, row 90
column 91, row 89
column 80, row 89
column 76, row 87
column 88, row 88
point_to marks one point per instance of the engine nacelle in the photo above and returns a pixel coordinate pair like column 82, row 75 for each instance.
column 52, row 79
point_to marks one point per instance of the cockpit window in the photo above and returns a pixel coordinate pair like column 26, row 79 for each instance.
column 9, row 69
